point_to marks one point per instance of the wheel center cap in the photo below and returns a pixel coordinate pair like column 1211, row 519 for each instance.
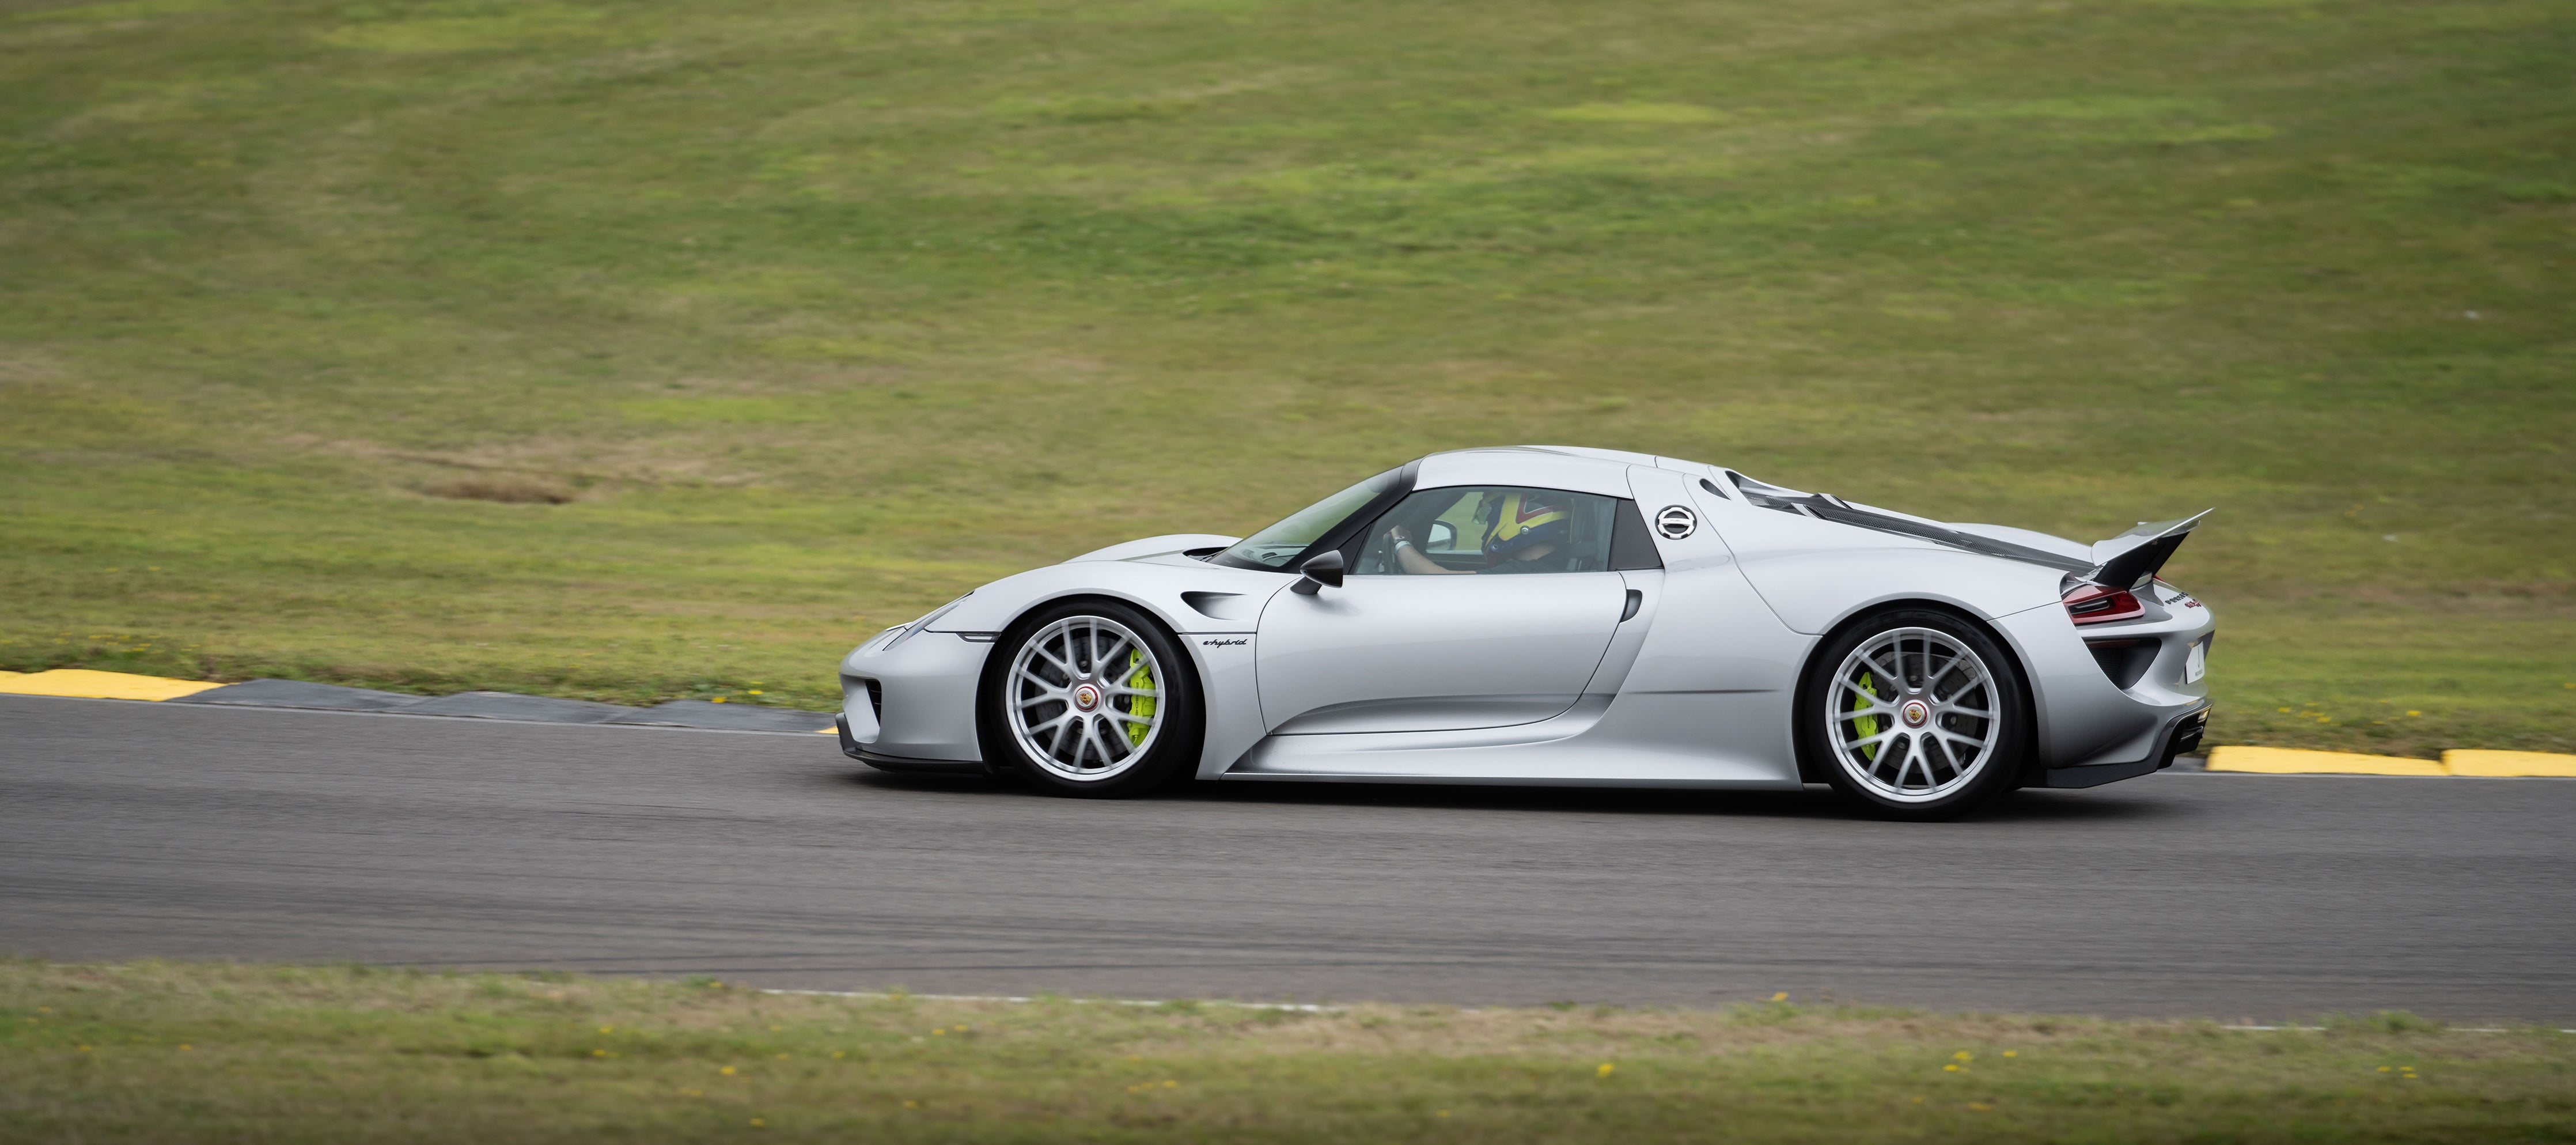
column 1086, row 696
column 1916, row 713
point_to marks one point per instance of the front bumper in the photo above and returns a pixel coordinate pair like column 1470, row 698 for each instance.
column 914, row 700
column 904, row 765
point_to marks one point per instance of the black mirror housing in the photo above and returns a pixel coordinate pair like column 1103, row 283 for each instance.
column 1323, row 569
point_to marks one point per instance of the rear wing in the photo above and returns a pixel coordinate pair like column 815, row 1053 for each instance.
column 2127, row 560
column 2124, row 561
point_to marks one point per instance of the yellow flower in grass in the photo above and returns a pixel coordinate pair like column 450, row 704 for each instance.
column 727, row 1071
column 1606, row 1067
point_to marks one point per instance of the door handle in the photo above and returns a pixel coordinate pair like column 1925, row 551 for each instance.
column 1636, row 598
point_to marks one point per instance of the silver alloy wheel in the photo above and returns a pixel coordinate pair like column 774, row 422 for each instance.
column 1085, row 698
column 1912, row 715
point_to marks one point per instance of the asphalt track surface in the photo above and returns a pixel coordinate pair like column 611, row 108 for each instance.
column 134, row 829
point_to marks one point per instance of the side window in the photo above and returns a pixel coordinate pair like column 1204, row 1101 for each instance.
column 1489, row 530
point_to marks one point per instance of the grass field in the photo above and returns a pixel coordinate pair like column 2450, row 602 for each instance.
column 164, row 1052
column 641, row 349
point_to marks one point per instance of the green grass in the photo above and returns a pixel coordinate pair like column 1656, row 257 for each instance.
column 785, row 320
column 164, row 1052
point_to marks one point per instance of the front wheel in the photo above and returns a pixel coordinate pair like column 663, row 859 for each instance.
column 1915, row 715
column 1091, row 698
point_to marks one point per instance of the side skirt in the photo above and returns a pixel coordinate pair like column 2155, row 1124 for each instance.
column 1557, row 752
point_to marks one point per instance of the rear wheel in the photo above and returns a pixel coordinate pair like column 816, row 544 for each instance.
column 1091, row 698
column 1916, row 715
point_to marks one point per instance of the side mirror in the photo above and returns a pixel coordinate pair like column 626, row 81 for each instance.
column 1325, row 569
column 1442, row 538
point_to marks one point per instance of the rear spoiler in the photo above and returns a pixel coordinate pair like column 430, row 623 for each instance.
column 2127, row 560
column 2124, row 561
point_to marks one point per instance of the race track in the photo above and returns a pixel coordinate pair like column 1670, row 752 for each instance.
column 134, row 829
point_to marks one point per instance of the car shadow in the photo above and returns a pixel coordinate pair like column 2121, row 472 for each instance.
column 1816, row 802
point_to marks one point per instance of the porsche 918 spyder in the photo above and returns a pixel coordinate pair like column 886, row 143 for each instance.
column 1545, row 615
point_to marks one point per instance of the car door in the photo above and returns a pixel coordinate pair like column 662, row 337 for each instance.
column 1466, row 633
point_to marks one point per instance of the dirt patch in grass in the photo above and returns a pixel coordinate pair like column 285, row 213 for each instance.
column 505, row 490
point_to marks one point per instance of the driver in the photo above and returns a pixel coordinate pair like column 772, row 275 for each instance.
column 1522, row 532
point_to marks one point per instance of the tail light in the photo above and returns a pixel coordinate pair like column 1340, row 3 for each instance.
column 2102, row 604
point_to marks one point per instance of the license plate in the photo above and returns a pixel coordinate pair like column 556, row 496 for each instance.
column 2196, row 665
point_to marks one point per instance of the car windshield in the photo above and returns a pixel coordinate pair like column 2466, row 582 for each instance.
column 1274, row 547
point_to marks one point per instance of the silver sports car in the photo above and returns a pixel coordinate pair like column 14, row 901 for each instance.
column 1549, row 615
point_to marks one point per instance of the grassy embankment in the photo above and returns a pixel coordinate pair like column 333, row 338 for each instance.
column 645, row 349
column 173, row 1053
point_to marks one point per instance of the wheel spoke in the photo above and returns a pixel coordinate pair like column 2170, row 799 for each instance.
column 1061, row 665
column 1106, row 663
column 1876, row 708
column 1894, row 680
column 1091, row 739
column 1869, row 741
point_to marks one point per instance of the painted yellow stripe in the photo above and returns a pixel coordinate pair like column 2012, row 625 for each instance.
column 2284, row 761
column 102, row 685
column 11, row 675
column 2466, row 762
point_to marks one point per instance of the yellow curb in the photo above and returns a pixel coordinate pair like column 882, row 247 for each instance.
column 10, row 675
column 2285, row 761
column 2466, row 762
column 102, row 685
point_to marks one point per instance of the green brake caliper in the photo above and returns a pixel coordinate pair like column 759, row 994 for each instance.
column 1867, row 725
column 1141, row 707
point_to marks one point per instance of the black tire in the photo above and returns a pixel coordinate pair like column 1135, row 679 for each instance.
column 1931, row 758
column 1111, row 763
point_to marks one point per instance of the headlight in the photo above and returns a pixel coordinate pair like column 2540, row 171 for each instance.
column 909, row 630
